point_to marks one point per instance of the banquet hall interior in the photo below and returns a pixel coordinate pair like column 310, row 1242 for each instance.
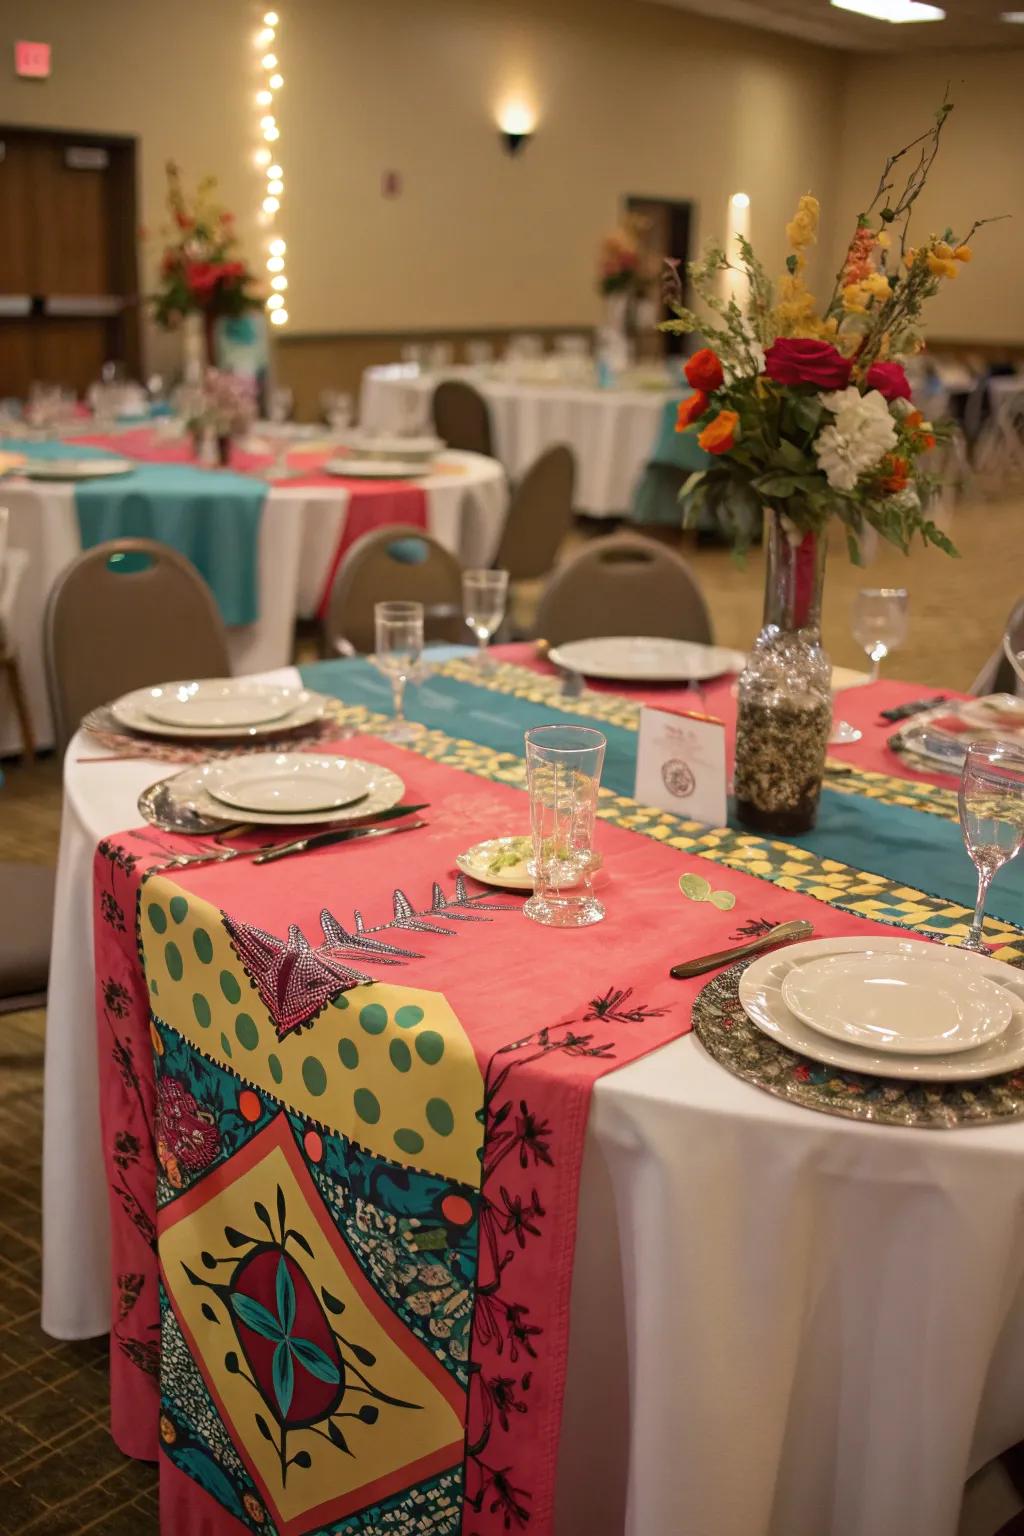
column 588, row 436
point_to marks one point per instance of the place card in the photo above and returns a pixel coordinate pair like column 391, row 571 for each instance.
column 680, row 764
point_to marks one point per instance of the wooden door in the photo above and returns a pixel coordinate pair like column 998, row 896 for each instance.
column 68, row 275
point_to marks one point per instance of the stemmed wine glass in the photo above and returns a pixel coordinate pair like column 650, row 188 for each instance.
column 399, row 646
column 879, row 622
column 280, row 404
column 991, row 817
column 484, row 595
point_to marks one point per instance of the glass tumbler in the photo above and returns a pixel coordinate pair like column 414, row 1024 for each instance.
column 563, row 768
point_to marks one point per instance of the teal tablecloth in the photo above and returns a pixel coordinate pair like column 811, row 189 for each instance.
column 916, row 848
column 212, row 517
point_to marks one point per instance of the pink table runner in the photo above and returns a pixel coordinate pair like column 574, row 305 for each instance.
column 544, row 1012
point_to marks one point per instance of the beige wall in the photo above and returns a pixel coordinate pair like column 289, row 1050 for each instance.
column 631, row 98
column 979, row 172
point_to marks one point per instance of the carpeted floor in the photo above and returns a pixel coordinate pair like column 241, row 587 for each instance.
column 61, row 1473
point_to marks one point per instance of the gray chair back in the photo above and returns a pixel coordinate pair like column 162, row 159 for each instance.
column 394, row 564
column 462, row 418
column 114, row 623
column 1001, row 673
column 623, row 585
column 539, row 515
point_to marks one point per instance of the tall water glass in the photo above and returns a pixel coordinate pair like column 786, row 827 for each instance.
column 484, row 595
column 879, row 622
column 399, row 646
column 991, row 817
column 563, row 767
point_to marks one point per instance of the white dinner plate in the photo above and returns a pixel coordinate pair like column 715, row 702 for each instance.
column 76, row 469
column 646, row 658
column 376, row 469
column 412, row 449
column 760, row 993
column 263, row 776
column 134, row 711
column 506, row 862
column 220, row 702
column 898, row 1003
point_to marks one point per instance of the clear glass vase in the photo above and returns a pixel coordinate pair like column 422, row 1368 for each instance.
column 785, row 694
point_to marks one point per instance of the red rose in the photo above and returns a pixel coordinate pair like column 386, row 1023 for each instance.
column 800, row 360
column 704, row 371
column 889, row 379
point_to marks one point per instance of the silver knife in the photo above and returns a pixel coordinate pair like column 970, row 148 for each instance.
column 326, row 839
column 782, row 933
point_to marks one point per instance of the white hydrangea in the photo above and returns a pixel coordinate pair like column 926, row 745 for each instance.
column 861, row 435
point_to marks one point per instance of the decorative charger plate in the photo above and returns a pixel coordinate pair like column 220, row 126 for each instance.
column 194, row 785
column 646, row 658
column 134, row 711
column 736, row 1043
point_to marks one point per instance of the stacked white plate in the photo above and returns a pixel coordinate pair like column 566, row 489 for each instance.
column 646, row 658
column 217, row 708
column 287, row 789
column 902, row 1008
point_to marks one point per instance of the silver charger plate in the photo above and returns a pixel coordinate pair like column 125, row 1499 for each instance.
column 192, row 787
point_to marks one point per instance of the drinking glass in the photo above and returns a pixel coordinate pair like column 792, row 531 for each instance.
column 337, row 408
column 484, row 595
column 399, row 637
column 991, row 817
column 879, row 622
column 563, row 769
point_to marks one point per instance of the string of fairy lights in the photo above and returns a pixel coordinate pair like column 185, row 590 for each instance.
column 268, row 160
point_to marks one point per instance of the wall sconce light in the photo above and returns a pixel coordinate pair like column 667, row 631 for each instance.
column 517, row 123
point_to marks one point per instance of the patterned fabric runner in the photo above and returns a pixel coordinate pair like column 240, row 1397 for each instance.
column 365, row 1204
column 870, row 821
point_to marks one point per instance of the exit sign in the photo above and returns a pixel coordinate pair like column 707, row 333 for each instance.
column 32, row 60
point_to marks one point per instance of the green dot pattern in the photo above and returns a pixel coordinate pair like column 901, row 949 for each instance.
column 408, row 1016
column 225, row 1045
column 349, row 1053
column 440, row 1117
column 430, row 1047
column 374, row 1018
column 341, row 1001
column 229, row 986
column 201, row 1009
column 409, row 1141
column 247, row 1033
column 179, row 908
column 401, row 1056
column 276, row 1069
column 175, row 964
column 157, row 917
column 366, row 1105
column 203, row 945
column 314, row 1075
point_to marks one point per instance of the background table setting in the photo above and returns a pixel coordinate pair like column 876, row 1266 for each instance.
column 267, row 547
column 612, row 431
column 352, row 1085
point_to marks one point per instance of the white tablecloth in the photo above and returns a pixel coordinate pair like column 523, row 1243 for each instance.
column 299, row 532
column 783, row 1323
column 612, row 432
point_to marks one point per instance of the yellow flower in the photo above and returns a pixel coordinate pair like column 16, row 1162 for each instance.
column 943, row 250
column 876, row 285
column 883, row 240
column 936, row 264
column 910, row 258
column 963, row 253
column 853, row 299
column 802, row 229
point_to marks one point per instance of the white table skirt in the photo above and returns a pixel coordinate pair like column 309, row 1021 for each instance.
column 299, row 532
column 783, row 1323
column 612, row 432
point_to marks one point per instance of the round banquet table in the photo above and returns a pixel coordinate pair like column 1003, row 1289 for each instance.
column 299, row 531
column 612, row 432
column 782, row 1322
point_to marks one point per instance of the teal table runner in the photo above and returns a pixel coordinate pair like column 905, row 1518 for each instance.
column 914, row 847
column 212, row 517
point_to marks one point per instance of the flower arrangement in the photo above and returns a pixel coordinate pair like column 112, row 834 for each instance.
column 201, row 270
column 807, row 411
column 623, row 266
column 225, row 405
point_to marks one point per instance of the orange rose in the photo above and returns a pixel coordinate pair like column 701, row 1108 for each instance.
column 897, row 474
column 720, row 434
column 913, row 419
column 690, row 409
column 704, row 371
